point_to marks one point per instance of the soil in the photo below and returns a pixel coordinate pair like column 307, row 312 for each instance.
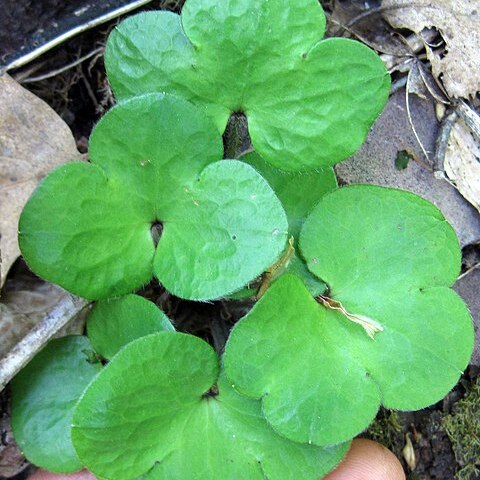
column 81, row 95
column 27, row 24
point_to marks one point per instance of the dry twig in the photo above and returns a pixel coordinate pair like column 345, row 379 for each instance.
column 25, row 350
column 60, row 70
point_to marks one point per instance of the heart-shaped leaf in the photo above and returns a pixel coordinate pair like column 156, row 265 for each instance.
column 114, row 323
column 157, row 410
column 299, row 193
column 44, row 394
column 88, row 226
column 309, row 103
column 389, row 258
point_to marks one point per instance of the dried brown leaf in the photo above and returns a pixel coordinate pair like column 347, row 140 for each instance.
column 462, row 162
column 33, row 141
column 25, row 301
column 31, row 313
column 408, row 453
column 357, row 19
column 457, row 21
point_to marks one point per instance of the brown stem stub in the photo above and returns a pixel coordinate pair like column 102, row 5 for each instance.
column 213, row 392
column 156, row 231
column 276, row 269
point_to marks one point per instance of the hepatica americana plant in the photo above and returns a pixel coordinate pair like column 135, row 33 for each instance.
column 353, row 284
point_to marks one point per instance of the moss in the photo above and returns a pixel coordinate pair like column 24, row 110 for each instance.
column 385, row 428
column 463, row 430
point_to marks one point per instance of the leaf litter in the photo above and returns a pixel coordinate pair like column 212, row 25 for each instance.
column 33, row 140
column 455, row 62
column 410, row 165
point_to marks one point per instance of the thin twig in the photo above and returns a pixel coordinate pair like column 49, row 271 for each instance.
column 470, row 117
column 39, row 335
column 410, row 121
column 29, row 70
column 98, row 108
column 442, row 142
column 93, row 62
column 53, row 73
column 464, row 274
column 398, row 85
column 19, row 62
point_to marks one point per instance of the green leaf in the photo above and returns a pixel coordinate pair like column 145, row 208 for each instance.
column 44, row 394
column 299, row 193
column 87, row 226
column 157, row 410
column 309, row 103
column 114, row 323
column 388, row 258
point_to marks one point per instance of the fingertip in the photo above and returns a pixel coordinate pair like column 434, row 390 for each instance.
column 368, row 460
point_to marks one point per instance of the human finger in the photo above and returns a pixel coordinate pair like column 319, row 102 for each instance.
column 368, row 460
column 43, row 475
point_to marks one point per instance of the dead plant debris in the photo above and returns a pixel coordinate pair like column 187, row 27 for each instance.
column 33, row 141
column 455, row 60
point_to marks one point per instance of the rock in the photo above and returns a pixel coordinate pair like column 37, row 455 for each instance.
column 468, row 287
column 377, row 162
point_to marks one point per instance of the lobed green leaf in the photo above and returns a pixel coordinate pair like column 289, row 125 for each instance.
column 154, row 160
column 44, row 395
column 309, row 103
column 160, row 410
column 388, row 258
column 115, row 322
column 299, row 193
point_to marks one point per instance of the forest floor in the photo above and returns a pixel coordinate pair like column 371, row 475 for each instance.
column 412, row 146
